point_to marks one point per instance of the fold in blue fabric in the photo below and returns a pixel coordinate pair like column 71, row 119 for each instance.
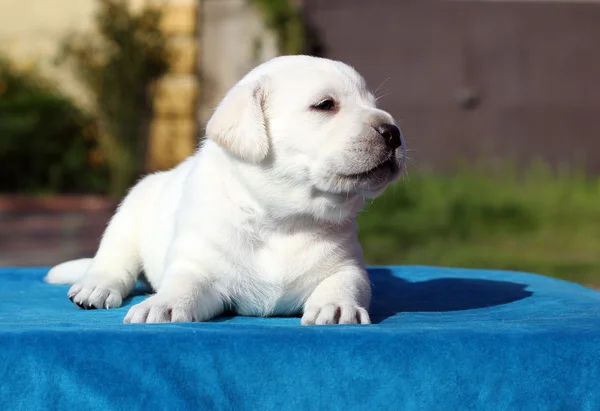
column 442, row 339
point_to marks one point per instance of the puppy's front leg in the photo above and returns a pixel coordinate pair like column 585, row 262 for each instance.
column 185, row 295
column 342, row 298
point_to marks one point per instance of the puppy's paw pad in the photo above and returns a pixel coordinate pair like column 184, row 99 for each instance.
column 91, row 297
column 158, row 310
column 338, row 313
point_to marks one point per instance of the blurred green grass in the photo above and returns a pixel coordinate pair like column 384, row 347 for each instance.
column 479, row 218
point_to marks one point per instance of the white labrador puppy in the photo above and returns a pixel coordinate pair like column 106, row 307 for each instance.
column 261, row 219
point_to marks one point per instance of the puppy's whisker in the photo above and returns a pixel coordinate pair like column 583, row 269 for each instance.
column 381, row 85
column 382, row 96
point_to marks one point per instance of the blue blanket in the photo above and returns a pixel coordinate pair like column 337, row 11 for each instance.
column 442, row 339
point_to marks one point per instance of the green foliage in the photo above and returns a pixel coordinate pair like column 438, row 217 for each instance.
column 46, row 142
column 475, row 218
column 293, row 34
column 119, row 63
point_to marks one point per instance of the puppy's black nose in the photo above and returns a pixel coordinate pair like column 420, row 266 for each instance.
column 391, row 135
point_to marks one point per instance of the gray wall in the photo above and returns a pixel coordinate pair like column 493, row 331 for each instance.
column 477, row 79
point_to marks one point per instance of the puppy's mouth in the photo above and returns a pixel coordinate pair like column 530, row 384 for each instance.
column 364, row 183
column 370, row 183
column 386, row 167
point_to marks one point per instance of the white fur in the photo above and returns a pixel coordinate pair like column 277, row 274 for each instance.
column 261, row 219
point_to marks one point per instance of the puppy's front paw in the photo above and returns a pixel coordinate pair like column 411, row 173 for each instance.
column 335, row 314
column 90, row 297
column 158, row 309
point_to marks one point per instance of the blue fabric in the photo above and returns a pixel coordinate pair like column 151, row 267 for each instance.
column 443, row 339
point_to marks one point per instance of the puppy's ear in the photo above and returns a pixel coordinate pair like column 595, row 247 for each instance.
column 239, row 125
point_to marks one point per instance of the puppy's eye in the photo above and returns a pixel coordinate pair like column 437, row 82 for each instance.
column 325, row 105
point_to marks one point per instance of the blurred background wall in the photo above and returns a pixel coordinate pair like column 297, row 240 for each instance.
column 31, row 32
column 213, row 41
column 479, row 80
column 498, row 101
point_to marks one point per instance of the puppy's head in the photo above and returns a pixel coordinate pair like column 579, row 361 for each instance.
column 311, row 125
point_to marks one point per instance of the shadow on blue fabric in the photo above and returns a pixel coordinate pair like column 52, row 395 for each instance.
column 141, row 290
column 392, row 295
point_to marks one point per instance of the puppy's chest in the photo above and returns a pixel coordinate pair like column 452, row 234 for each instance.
column 279, row 275
column 288, row 260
